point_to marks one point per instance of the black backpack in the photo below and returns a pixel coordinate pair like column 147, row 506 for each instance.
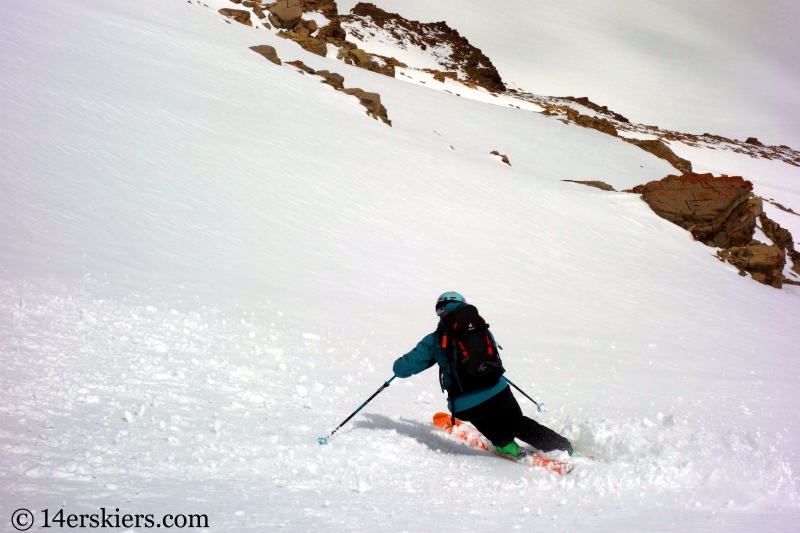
column 473, row 356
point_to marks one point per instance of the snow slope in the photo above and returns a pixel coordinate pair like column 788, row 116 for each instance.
column 208, row 261
column 730, row 68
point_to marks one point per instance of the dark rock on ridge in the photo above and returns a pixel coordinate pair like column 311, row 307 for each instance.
column 239, row 15
column 464, row 57
column 584, row 101
column 268, row 52
column 658, row 148
column 372, row 101
column 599, row 124
column 594, row 183
column 503, row 157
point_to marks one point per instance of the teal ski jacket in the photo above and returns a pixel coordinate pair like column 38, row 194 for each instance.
column 429, row 352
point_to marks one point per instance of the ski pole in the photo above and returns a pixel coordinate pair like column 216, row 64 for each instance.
column 539, row 406
column 324, row 440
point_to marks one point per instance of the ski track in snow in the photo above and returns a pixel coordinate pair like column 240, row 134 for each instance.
column 105, row 399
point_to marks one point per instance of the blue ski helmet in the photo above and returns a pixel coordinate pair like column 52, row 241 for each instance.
column 445, row 299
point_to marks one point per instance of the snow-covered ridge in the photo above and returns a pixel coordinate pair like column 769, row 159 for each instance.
column 394, row 41
column 441, row 46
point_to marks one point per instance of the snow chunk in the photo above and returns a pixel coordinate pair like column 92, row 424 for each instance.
column 87, row 317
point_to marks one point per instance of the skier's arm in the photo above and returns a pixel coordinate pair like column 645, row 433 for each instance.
column 419, row 359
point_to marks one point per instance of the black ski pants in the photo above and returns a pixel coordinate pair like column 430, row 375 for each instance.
column 500, row 419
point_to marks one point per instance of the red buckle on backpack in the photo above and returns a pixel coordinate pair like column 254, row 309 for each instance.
column 463, row 351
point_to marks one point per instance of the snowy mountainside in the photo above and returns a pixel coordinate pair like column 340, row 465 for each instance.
column 729, row 68
column 208, row 260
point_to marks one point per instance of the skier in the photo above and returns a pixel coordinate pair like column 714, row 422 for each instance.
column 492, row 407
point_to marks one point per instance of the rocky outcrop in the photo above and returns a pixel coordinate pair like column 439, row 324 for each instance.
column 503, row 157
column 372, row 101
column 360, row 58
column 764, row 262
column 782, row 238
column 239, row 15
column 596, row 184
column 333, row 33
column 268, row 52
column 716, row 211
column 302, row 36
column 599, row 124
column 302, row 66
column 722, row 212
column 450, row 50
column 286, row 13
column 333, row 79
column 658, row 148
column 584, row 101
column 259, row 12
column 326, row 7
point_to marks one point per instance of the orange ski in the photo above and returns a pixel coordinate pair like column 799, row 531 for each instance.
column 473, row 437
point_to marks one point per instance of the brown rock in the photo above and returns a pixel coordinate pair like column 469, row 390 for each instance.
column 239, row 15
column 764, row 262
column 599, row 124
column 302, row 66
column 795, row 256
column 301, row 29
column 333, row 33
column 326, row 7
column 361, row 59
column 754, row 141
column 274, row 21
column 311, row 44
column 372, row 101
column 311, row 25
column 333, row 79
column 268, row 52
column 719, row 211
column 502, row 157
column 463, row 57
column 258, row 11
column 780, row 236
column 288, row 12
column 661, row 150
column 584, row 101
column 597, row 184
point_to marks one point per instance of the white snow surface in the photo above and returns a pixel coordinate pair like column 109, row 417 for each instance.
column 207, row 261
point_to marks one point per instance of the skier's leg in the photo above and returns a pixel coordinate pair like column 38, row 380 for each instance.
column 498, row 418
column 542, row 437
